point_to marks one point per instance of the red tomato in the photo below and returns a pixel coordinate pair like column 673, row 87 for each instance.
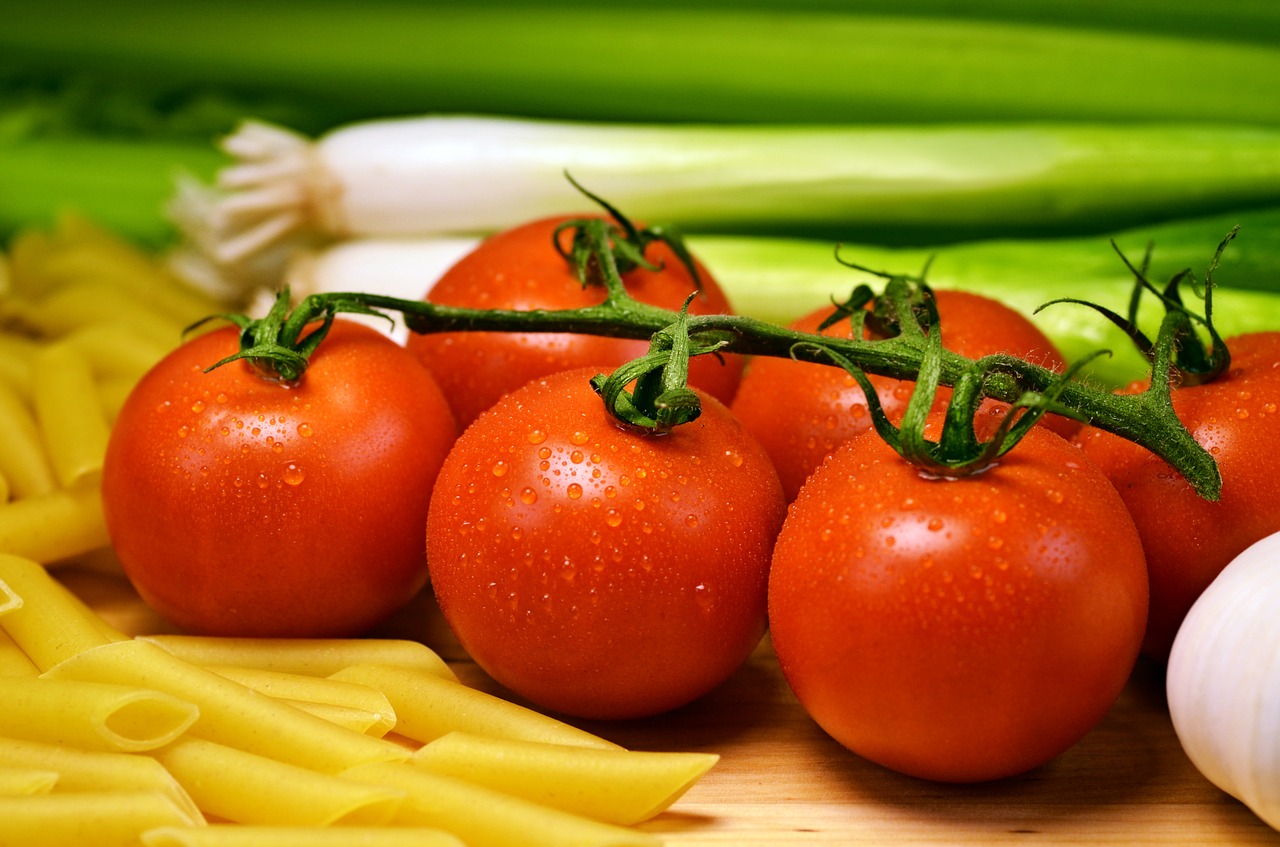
column 597, row 571
column 244, row 506
column 521, row 269
column 958, row 629
column 800, row 412
column 1188, row 539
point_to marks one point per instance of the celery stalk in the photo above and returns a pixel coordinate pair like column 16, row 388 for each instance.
column 631, row 62
column 122, row 185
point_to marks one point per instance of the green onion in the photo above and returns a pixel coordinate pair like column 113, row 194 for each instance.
column 886, row 184
column 751, row 62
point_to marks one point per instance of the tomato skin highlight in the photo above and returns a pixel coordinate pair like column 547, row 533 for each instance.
column 801, row 411
column 1189, row 539
column 520, row 269
column 958, row 630
column 599, row 572
column 243, row 506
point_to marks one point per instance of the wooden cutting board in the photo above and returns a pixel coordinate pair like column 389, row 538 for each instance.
column 781, row 781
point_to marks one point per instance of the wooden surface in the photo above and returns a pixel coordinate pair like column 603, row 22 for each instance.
column 781, row 781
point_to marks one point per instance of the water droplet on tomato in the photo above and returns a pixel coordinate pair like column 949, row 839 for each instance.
column 1054, row 495
column 292, row 475
column 197, row 406
column 999, row 516
column 528, row 496
column 576, row 457
column 305, row 430
column 579, row 438
column 935, row 524
column 536, row 436
column 1242, row 414
column 516, row 533
column 734, row 457
column 691, row 521
column 499, row 468
column 704, row 595
column 183, row 432
column 613, row 517
column 573, row 491
column 544, row 453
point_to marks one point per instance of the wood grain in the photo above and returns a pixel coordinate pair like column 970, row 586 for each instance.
column 782, row 782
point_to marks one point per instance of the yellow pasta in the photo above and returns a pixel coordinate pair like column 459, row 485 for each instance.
column 617, row 786
column 81, row 303
column 91, row 715
column 304, row 656
column 23, row 460
column 114, row 819
column 115, row 350
column 13, row 659
column 428, row 707
column 16, row 352
column 315, row 690
column 242, row 787
column 55, row 526
column 10, row 601
column 221, row 835
column 92, row 771
column 4, row 489
column 26, row 782
column 230, row 713
column 72, row 424
column 348, row 717
column 482, row 817
column 52, row 624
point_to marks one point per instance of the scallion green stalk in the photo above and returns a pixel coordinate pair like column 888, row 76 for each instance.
column 747, row 62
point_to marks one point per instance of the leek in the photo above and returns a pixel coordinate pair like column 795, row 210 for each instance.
column 735, row 62
column 888, row 184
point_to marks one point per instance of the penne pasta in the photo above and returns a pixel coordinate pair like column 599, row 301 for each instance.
column 348, row 717
column 26, row 782
column 482, row 817
column 56, row 526
column 103, row 819
column 242, row 787
column 4, row 490
column 92, row 771
column 230, row 713
column 10, row 601
column 13, row 660
column 428, row 707
column 304, row 656
column 91, row 715
column 72, row 424
column 616, row 786
column 52, row 625
column 315, row 690
column 16, row 352
column 115, row 350
column 23, row 460
column 81, row 303
column 222, row 835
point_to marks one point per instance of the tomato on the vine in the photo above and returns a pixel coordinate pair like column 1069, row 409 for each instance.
column 243, row 505
column 958, row 629
column 520, row 268
column 1188, row 539
column 800, row 411
column 595, row 570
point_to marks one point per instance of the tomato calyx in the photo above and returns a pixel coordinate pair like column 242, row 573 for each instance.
column 1178, row 351
column 279, row 344
column 908, row 307
column 623, row 241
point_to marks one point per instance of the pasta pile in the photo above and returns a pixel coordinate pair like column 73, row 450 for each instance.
column 157, row 740
column 82, row 316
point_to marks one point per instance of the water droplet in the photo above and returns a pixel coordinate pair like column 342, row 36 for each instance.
column 734, row 457
column 613, row 517
column 293, row 475
column 516, row 533
column 305, row 430
column 221, row 398
column 183, row 432
column 999, row 516
column 638, row 504
column 499, row 468
column 1242, row 414
column 197, row 406
column 528, row 496
column 691, row 521
column 1054, row 495
column 574, row 491
column 704, row 596
column 579, row 438
column 537, row 436
column 935, row 524
column 576, row 457
column 544, row 453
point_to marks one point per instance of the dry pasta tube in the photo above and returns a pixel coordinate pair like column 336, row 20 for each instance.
column 72, row 423
column 16, row 352
column 116, row 350
column 428, row 707
column 9, row 599
column 88, row 302
column 52, row 625
column 103, row 819
column 54, row 527
column 304, row 656
column 91, row 715
column 26, row 782
column 616, row 786
column 348, row 717
column 312, row 689
column 246, row 788
column 224, row 835
column 4, row 489
column 13, row 660
column 482, row 817
column 23, row 460
column 92, row 771
column 230, row 713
